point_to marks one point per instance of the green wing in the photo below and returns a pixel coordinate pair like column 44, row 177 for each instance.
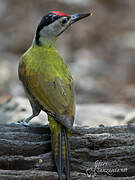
column 55, row 96
column 49, row 82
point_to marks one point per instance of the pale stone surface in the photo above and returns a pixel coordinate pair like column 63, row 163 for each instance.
column 102, row 114
column 92, row 115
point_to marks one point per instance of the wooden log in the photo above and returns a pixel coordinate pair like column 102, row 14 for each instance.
column 25, row 153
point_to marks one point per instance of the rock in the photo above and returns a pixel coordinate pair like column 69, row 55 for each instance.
column 130, row 118
column 18, row 108
column 107, row 114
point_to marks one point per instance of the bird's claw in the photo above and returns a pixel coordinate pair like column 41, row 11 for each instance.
column 24, row 123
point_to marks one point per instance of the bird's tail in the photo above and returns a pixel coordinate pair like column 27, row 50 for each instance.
column 60, row 146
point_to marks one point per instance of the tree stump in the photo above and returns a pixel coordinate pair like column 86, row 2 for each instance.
column 103, row 152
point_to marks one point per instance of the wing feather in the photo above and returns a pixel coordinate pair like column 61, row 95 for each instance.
column 56, row 96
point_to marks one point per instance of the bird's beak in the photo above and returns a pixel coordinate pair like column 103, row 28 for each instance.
column 77, row 17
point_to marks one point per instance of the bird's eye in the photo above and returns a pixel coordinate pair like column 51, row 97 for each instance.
column 64, row 21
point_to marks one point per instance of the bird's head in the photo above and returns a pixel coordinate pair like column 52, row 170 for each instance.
column 55, row 23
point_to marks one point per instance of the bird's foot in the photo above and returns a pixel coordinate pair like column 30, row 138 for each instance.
column 23, row 122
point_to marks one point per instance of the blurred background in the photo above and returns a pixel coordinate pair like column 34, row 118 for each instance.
column 100, row 50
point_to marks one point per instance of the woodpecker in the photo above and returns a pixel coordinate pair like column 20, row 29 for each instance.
column 49, row 86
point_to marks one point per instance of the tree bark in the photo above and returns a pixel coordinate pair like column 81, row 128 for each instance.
column 25, row 153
